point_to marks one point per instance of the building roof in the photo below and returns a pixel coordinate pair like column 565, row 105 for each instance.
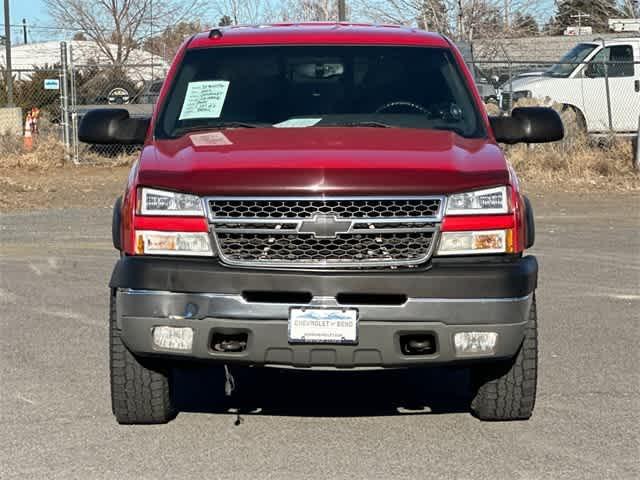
column 26, row 57
column 538, row 49
column 319, row 33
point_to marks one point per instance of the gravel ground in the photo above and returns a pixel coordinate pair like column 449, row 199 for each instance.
column 56, row 421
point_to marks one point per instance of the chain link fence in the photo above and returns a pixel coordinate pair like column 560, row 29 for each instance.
column 603, row 96
column 600, row 96
column 49, row 103
column 34, row 114
column 133, row 87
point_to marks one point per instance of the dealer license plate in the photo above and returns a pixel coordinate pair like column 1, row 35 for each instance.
column 323, row 325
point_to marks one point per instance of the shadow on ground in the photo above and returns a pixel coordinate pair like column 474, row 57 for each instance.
column 266, row 391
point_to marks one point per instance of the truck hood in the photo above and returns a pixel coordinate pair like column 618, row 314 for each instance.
column 526, row 83
column 316, row 161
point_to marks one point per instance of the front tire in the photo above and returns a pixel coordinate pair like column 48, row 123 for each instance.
column 140, row 392
column 575, row 125
column 507, row 390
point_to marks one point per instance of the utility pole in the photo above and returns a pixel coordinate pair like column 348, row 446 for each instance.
column 151, row 35
column 7, row 46
column 507, row 14
column 24, row 30
column 580, row 16
column 461, row 32
column 342, row 11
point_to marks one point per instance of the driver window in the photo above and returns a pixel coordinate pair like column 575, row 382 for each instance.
column 612, row 55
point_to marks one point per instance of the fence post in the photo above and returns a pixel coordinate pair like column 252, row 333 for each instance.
column 7, row 46
column 608, row 91
column 74, row 111
column 64, row 100
column 636, row 151
column 510, row 73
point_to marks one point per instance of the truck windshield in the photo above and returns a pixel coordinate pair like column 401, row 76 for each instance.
column 570, row 60
column 319, row 86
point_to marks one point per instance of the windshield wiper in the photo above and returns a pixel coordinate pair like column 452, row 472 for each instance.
column 216, row 126
column 364, row 123
column 447, row 128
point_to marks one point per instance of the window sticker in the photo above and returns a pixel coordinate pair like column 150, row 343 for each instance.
column 210, row 139
column 204, row 99
column 298, row 123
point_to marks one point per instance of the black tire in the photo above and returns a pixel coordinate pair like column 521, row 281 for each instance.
column 140, row 394
column 507, row 390
column 115, row 224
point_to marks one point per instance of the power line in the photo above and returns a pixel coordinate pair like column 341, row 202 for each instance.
column 37, row 27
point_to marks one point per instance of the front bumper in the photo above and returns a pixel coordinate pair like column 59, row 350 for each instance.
column 212, row 300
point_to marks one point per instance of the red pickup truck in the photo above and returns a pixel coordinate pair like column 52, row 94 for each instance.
column 325, row 196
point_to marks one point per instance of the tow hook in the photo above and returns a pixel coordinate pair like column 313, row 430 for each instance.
column 229, row 343
column 417, row 344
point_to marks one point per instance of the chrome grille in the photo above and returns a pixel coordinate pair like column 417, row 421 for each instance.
column 342, row 208
column 325, row 232
column 383, row 247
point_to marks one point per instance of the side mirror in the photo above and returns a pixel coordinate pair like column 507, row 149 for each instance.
column 594, row 70
column 528, row 125
column 112, row 126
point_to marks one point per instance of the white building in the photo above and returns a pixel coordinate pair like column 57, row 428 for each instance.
column 26, row 57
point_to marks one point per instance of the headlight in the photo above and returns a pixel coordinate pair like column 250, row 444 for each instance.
column 471, row 243
column 159, row 202
column 520, row 94
column 173, row 243
column 490, row 201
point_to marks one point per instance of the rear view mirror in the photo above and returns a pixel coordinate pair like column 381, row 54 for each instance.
column 112, row 126
column 528, row 125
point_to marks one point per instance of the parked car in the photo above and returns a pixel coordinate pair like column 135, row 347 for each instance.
column 578, row 83
column 486, row 85
column 150, row 92
column 322, row 197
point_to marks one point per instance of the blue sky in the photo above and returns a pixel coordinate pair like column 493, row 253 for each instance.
column 35, row 13
column 27, row 9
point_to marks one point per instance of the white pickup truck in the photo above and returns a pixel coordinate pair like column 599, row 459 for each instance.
column 578, row 82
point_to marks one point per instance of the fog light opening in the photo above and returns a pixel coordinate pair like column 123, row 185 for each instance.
column 475, row 343
column 418, row 344
column 173, row 338
column 229, row 343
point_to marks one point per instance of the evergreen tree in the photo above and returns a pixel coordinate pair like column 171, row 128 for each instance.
column 484, row 18
column 525, row 24
column 599, row 12
column 166, row 43
column 225, row 21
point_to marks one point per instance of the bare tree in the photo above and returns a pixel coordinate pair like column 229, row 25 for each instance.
column 427, row 14
column 631, row 8
column 247, row 12
column 165, row 43
column 463, row 19
column 269, row 11
column 119, row 26
column 312, row 10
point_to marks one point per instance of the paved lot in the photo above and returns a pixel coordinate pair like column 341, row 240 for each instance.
column 56, row 421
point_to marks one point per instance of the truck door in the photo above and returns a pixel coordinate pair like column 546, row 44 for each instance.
column 624, row 89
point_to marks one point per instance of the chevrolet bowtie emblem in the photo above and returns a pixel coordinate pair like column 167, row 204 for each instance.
column 325, row 226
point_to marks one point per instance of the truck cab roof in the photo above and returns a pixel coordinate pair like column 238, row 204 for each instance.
column 317, row 33
column 609, row 41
